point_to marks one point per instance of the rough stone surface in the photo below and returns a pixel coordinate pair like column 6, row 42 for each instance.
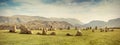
column 79, row 33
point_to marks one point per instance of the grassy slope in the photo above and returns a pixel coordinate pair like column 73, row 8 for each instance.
column 88, row 38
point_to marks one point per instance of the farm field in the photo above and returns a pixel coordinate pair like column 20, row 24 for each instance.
column 88, row 38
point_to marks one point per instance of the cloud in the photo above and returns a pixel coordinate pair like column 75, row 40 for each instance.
column 84, row 10
column 69, row 1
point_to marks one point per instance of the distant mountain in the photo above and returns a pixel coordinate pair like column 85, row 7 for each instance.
column 114, row 22
column 4, row 19
column 110, row 23
column 69, row 20
column 24, row 19
column 95, row 23
column 41, row 24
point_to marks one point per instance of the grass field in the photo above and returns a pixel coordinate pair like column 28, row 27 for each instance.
column 88, row 38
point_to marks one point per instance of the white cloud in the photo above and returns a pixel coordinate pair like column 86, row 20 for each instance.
column 85, row 12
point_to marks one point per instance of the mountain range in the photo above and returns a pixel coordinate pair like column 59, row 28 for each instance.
column 110, row 23
column 36, row 22
column 23, row 19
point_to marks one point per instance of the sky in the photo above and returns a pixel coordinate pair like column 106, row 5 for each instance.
column 83, row 10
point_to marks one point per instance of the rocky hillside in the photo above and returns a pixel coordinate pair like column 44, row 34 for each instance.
column 25, row 19
column 36, row 22
column 41, row 24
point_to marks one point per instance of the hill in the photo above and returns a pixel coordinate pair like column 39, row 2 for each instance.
column 25, row 19
column 110, row 23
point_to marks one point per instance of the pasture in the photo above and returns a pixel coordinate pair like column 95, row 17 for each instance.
column 88, row 38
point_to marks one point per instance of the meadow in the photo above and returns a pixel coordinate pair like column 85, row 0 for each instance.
column 88, row 38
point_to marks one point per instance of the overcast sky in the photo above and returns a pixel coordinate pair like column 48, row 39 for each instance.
column 83, row 10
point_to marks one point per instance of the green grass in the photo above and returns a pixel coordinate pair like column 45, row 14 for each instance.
column 88, row 38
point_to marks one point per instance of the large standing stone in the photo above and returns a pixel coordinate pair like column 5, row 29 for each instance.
column 101, row 30
column 12, row 28
column 93, row 30
column 44, row 32
column 68, row 34
column 61, row 28
column 52, row 33
column 112, row 30
column 106, row 29
column 38, row 33
column 76, row 28
column 79, row 33
column 25, row 30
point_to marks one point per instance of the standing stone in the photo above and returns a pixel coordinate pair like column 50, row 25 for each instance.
column 68, row 28
column 90, row 28
column 61, row 28
column 44, row 32
column 53, row 33
column 79, row 33
column 68, row 34
column 96, row 27
column 112, row 30
column 93, row 30
column 12, row 29
column 38, row 33
column 106, row 29
column 76, row 28
column 101, row 30
column 25, row 30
